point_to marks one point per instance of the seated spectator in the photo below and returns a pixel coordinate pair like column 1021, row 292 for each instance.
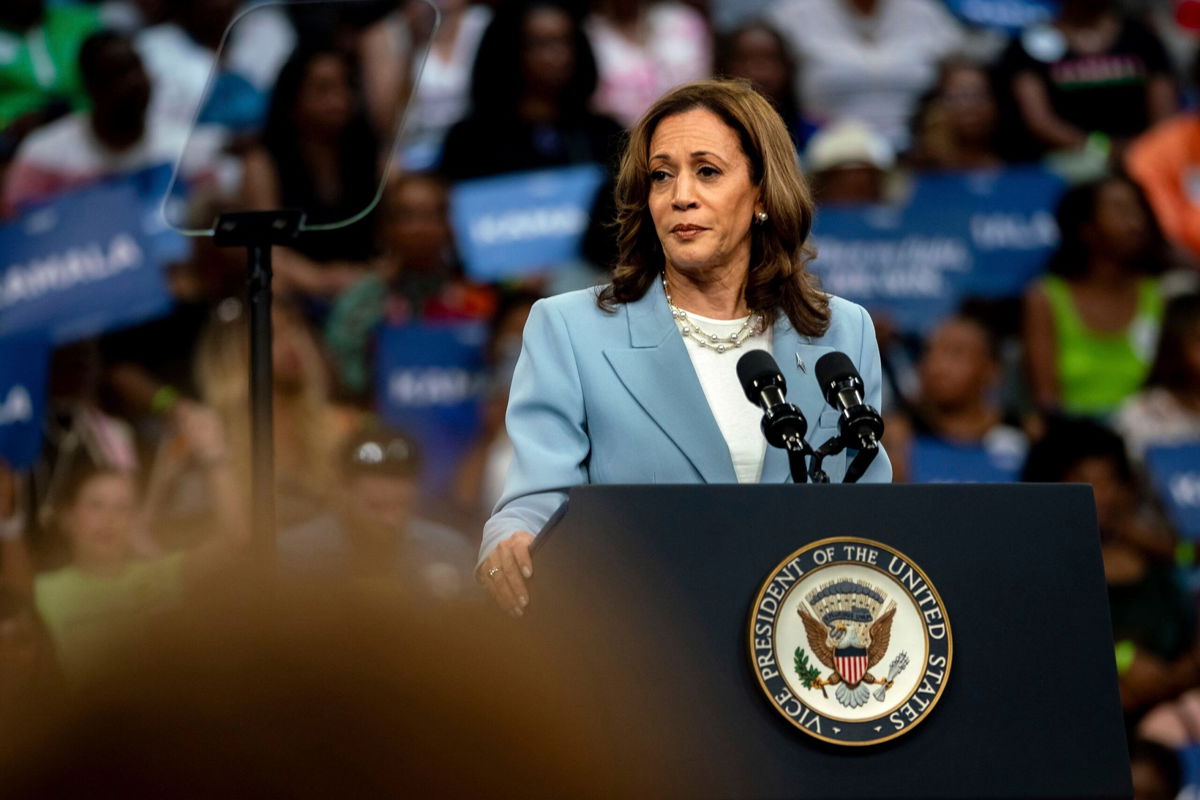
column 442, row 95
column 116, row 136
column 105, row 592
column 643, row 49
column 1157, row 773
column 1154, row 623
column 181, row 55
column 531, row 89
column 372, row 534
column 956, row 126
column 319, row 154
column 1165, row 161
column 959, row 376
column 869, row 60
column 308, row 427
column 1167, row 409
column 849, row 164
column 1092, row 70
column 758, row 53
column 417, row 278
column 39, row 65
column 1091, row 324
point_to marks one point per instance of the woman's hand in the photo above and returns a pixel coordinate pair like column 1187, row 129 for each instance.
column 506, row 571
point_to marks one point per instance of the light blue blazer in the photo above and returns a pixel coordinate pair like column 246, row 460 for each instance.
column 614, row 398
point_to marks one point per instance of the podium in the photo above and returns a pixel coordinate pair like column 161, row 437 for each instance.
column 668, row 576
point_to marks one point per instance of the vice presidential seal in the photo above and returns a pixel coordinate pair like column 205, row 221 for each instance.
column 850, row 641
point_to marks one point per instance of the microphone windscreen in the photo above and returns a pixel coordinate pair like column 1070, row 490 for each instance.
column 834, row 368
column 756, row 369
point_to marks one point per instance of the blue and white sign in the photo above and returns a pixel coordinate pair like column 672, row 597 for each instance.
column 983, row 234
column 1175, row 473
column 1006, row 15
column 937, row 461
column 87, row 262
column 24, row 367
column 512, row 225
column 430, row 382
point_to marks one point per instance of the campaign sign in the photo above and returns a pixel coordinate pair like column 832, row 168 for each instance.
column 983, row 234
column 938, row 461
column 1006, row 15
column 512, row 225
column 86, row 262
column 430, row 382
column 24, row 365
column 1175, row 472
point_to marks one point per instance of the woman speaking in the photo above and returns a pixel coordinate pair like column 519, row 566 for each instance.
column 636, row 382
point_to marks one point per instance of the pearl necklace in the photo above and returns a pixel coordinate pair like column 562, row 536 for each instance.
column 690, row 330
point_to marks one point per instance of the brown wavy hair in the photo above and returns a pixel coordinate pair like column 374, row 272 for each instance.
column 779, row 254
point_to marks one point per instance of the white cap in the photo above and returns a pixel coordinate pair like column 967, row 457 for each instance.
column 848, row 143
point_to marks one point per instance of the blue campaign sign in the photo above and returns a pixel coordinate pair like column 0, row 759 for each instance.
column 984, row 234
column 1175, row 472
column 937, row 461
column 430, row 382
column 1006, row 15
column 512, row 225
column 88, row 261
column 24, row 365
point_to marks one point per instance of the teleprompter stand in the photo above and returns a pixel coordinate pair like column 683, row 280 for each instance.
column 656, row 585
column 258, row 232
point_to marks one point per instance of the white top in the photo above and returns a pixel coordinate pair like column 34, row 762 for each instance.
column 673, row 47
column 1154, row 417
column 443, row 95
column 873, row 69
column 738, row 418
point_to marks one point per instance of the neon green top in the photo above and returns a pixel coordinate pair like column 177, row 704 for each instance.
column 1098, row 371
column 42, row 63
column 87, row 613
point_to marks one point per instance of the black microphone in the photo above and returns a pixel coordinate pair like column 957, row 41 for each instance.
column 783, row 424
column 860, row 425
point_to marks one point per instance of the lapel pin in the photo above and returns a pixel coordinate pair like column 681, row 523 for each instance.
column 800, row 364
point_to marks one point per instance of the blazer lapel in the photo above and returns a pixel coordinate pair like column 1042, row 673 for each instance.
column 797, row 358
column 658, row 372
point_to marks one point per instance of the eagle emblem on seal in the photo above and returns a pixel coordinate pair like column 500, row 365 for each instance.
column 849, row 635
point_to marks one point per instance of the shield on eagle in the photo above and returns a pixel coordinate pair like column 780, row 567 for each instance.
column 851, row 664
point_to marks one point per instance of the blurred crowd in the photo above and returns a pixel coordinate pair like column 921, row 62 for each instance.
column 141, row 491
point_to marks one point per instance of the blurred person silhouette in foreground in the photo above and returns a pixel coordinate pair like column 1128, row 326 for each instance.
column 1091, row 324
column 317, row 691
column 531, row 90
column 1167, row 409
column 373, row 534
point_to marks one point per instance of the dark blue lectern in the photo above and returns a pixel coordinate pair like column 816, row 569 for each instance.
column 668, row 575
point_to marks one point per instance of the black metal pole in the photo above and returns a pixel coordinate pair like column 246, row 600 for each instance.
column 262, row 486
column 258, row 232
